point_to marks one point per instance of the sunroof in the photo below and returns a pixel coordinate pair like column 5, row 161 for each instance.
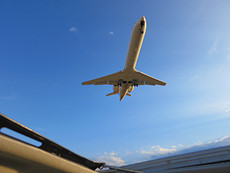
column 21, row 137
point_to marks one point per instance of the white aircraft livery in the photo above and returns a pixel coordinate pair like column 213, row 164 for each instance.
column 124, row 81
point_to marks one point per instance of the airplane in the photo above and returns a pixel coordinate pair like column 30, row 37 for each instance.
column 124, row 81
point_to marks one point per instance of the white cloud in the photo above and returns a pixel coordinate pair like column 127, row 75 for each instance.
column 73, row 29
column 228, row 58
column 194, row 78
column 204, row 108
column 157, row 151
column 224, row 141
column 110, row 159
column 199, row 10
column 213, row 48
column 228, row 54
column 212, row 88
column 111, row 33
column 227, row 110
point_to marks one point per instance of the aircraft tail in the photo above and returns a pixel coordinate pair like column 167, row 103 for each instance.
column 110, row 94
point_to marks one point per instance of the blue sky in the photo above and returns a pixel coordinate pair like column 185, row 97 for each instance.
column 47, row 48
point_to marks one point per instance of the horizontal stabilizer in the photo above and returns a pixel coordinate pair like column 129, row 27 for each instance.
column 128, row 94
column 110, row 94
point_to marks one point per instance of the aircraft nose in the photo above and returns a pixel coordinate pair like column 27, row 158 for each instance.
column 143, row 18
column 142, row 21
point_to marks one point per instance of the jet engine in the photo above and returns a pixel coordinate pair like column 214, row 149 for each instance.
column 115, row 89
column 130, row 88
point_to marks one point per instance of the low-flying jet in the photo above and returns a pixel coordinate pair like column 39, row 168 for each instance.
column 124, row 81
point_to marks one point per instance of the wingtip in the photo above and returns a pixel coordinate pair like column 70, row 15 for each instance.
column 85, row 83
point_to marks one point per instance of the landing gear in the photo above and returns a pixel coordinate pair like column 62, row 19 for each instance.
column 135, row 83
column 120, row 82
column 132, row 83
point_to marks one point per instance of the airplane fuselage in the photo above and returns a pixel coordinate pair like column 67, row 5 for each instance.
column 125, row 80
column 135, row 42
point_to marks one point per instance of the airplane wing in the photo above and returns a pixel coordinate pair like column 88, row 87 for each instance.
column 144, row 79
column 111, row 79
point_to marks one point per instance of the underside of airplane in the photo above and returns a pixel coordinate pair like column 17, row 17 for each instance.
column 124, row 81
